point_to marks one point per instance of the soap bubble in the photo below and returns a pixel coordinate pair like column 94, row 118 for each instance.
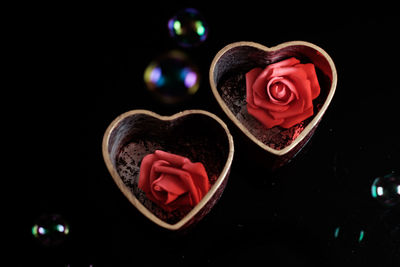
column 188, row 28
column 348, row 241
column 349, row 234
column 172, row 77
column 50, row 230
column 386, row 189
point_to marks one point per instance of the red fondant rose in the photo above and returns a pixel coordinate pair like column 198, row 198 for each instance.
column 172, row 181
column 282, row 93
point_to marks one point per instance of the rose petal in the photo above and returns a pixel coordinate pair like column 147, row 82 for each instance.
column 291, row 121
column 268, row 105
column 295, row 108
column 185, row 178
column 304, row 85
column 312, row 77
column 289, row 84
column 252, row 75
column 308, row 95
column 199, row 176
column 263, row 117
column 173, row 159
column 171, row 185
column 291, row 87
column 154, row 174
column 260, row 100
column 275, row 70
column 259, row 85
column 171, row 197
column 145, row 169
column 250, row 78
column 298, row 76
column 290, row 72
column 157, row 193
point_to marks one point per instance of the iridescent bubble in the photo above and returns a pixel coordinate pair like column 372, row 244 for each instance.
column 50, row 230
column 172, row 77
column 349, row 239
column 188, row 27
column 349, row 234
column 386, row 189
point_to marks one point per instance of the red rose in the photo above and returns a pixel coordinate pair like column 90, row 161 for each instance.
column 172, row 181
column 282, row 93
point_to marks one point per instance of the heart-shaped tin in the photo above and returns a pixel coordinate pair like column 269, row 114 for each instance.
column 196, row 134
column 228, row 84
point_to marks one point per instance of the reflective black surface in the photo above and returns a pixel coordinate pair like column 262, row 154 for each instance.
column 317, row 210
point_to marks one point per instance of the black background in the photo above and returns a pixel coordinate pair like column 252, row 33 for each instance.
column 84, row 68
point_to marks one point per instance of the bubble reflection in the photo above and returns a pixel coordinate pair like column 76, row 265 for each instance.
column 347, row 234
column 172, row 77
column 188, row 27
column 50, row 230
column 386, row 189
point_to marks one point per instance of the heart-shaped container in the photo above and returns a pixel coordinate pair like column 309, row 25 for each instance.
column 276, row 146
column 196, row 134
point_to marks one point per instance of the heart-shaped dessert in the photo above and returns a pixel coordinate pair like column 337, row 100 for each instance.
column 228, row 82
column 195, row 134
